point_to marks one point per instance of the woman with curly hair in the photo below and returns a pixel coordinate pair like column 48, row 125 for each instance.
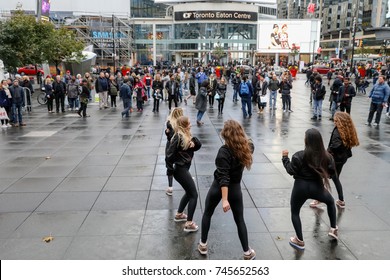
column 232, row 158
column 169, row 132
column 311, row 169
column 179, row 157
column 342, row 140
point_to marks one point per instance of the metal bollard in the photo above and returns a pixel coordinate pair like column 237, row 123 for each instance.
column 27, row 99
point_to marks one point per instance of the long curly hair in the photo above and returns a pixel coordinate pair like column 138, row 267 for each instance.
column 346, row 128
column 183, row 130
column 238, row 142
column 315, row 155
column 176, row 113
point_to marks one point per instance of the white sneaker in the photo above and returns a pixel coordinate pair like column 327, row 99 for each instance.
column 9, row 125
column 77, row 108
column 69, row 109
column 4, row 126
column 169, row 191
column 375, row 124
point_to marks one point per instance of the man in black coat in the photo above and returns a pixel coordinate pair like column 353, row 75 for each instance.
column 59, row 89
column 346, row 93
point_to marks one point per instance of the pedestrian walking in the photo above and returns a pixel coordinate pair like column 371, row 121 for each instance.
column 201, row 101
column 318, row 94
column 246, row 92
column 221, row 91
column 158, row 87
column 379, row 95
column 285, row 88
column 17, row 95
column 126, row 93
column 101, row 87
column 49, row 94
column 84, row 98
column 346, row 93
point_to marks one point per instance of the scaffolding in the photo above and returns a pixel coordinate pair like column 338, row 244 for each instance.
column 112, row 37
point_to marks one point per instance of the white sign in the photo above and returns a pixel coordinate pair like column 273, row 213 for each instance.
column 282, row 36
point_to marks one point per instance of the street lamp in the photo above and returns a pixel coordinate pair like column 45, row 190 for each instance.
column 314, row 45
column 353, row 41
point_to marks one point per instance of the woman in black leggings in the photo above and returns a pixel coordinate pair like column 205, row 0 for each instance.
column 169, row 132
column 343, row 139
column 311, row 169
column 232, row 158
column 178, row 159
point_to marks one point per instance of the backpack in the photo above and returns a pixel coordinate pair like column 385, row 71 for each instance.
column 147, row 81
column 244, row 89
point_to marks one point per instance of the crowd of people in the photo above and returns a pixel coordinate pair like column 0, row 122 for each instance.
column 312, row 167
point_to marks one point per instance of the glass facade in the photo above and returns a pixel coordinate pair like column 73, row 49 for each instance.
column 192, row 42
column 147, row 9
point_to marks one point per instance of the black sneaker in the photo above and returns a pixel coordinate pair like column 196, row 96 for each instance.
column 314, row 118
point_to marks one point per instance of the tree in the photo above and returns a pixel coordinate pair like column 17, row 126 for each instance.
column 219, row 52
column 63, row 45
column 24, row 41
column 19, row 43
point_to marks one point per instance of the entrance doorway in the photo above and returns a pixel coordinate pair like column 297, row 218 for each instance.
column 186, row 61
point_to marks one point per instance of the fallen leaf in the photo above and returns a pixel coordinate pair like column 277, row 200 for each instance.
column 278, row 238
column 48, row 158
column 48, row 239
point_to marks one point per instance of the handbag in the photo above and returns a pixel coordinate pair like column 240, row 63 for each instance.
column 217, row 96
column 3, row 114
column 263, row 99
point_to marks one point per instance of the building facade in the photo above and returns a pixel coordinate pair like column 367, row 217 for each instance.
column 188, row 32
column 337, row 18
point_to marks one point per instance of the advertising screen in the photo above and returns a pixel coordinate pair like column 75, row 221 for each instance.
column 45, row 9
column 281, row 36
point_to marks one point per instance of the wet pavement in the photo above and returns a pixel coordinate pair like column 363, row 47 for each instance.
column 97, row 185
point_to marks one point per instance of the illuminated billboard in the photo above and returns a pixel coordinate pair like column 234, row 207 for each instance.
column 45, row 10
column 280, row 36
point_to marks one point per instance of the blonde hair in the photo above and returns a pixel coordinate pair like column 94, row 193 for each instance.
column 346, row 129
column 47, row 81
column 174, row 115
column 183, row 131
column 238, row 142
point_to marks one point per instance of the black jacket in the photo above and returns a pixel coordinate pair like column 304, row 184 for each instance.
column 337, row 148
column 59, row 88
column 334, row 89
column 299, row 169
column 228, row 169
column 341, row 98
column 177, row 156
column 319, row 92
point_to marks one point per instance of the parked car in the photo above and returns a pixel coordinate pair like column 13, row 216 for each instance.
column 30, row 70
column 322, row 69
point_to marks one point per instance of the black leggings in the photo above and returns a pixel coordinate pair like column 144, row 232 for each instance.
column 303, row 190
column 213, row 198
column 336, row 180
column 221, row 101
column 113, row 100
column 184, row 178
column 211, row 100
